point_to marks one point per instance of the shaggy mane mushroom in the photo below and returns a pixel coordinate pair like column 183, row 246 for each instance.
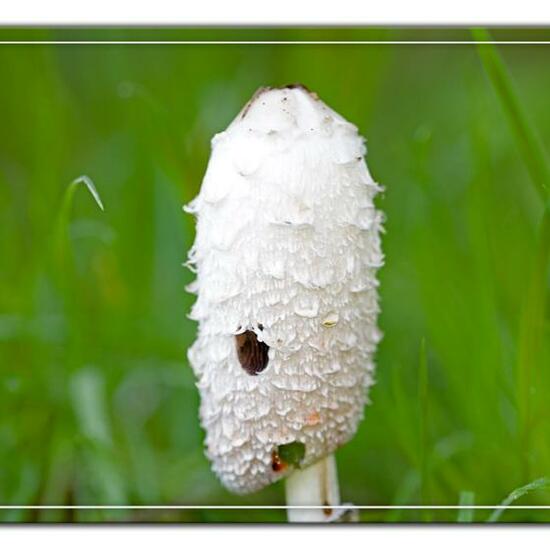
column 286, row 254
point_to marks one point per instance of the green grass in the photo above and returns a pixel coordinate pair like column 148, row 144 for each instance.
column 532, row 316
column 98, row 404
column 537, row 485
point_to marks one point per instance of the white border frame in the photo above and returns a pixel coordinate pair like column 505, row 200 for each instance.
column 281, row 12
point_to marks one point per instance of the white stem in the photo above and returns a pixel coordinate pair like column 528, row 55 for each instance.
column 316, row 485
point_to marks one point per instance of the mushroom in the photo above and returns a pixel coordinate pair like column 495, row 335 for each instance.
column 286, row 254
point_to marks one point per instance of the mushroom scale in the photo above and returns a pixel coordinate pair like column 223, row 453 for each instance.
column 286, row 254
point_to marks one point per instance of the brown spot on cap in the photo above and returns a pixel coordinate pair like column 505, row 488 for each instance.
column 299, row 86
column 263, row 89
column 277, row 465
column 313, row 418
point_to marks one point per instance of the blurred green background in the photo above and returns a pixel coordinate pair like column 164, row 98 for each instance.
column 97, row 400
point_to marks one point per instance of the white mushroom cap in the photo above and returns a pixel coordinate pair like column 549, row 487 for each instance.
column 286, row 254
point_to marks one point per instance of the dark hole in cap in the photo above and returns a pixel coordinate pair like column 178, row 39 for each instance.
column 252, row 354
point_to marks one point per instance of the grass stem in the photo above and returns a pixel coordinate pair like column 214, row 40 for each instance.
column 63, row 220
column 527, row 139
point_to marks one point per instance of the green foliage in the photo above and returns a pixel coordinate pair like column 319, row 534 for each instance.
column 532, row 316
column 532, row 150
column 98, row 404
column 64, row 218
column 292, row 453
column 537, row 485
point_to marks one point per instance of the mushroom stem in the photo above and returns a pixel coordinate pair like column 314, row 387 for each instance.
column 316, row 486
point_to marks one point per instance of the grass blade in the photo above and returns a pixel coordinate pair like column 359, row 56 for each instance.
column 528, row 141
column 69, row 196
column 531, row 336
column 91, row 188
column 424, row 436
column 466, row 515
column 90, row 405
column 65, row 213
column 541, row 483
